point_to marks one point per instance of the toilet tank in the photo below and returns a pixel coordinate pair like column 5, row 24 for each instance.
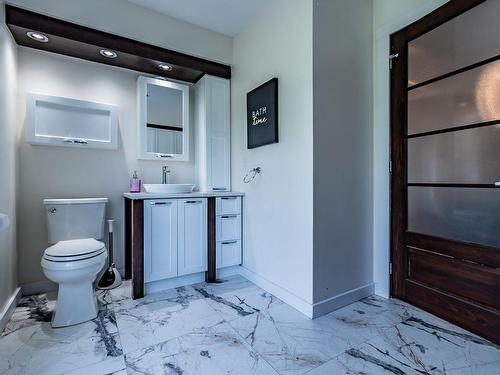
column 71, row 219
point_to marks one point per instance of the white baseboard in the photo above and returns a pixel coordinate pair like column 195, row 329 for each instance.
column 336, row 302
column 310, row 310
column 38, row 287
column 228, row 271
column 289, row 298
column 158, row 286
column 9, row 308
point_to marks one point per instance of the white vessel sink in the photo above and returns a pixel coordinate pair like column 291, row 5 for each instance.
column 168, row 188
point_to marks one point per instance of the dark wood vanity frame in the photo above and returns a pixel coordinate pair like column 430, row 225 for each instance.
column 134, row 244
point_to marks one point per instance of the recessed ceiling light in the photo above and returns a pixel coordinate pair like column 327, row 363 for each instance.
column 164, row 67
column 39, row 37
column 108, row 53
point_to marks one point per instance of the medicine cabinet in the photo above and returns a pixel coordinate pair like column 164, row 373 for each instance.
column 163, row 122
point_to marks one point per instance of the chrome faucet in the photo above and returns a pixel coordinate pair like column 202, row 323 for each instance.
column 165, row 175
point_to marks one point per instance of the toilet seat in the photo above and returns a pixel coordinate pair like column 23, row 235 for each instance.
column 74, row 250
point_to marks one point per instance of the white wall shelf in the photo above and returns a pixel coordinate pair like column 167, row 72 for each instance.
column 59, row 121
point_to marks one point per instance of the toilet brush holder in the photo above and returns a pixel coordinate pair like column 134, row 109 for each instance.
column 111, row 278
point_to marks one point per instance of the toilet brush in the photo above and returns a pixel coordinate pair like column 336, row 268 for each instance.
column 111, row 277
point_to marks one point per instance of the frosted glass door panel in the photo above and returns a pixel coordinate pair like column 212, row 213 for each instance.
column 458, row 43
column 462, row 214
column 468, row 156
column 467, row 98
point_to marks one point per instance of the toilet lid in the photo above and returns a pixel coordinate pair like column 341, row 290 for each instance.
column 71, row 248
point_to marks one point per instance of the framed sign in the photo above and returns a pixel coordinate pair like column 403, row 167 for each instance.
column 262, row 114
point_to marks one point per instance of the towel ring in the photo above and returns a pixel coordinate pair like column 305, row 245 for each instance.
column 251, row 174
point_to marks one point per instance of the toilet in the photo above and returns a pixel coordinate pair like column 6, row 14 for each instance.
column 76, row 256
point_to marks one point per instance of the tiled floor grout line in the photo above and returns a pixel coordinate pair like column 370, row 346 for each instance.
column 112, row 303
column 241, row 336
column 181, row 335
column 238, row 334
column 265, row 360
column 107, row 308
column 335, row 358
column 252, row 347
column 380, row 336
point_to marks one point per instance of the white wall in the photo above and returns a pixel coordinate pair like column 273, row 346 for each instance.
column 59, row 172
column 126, row 19
column 389, row 17
column 8, row 160
column 62, row 172
column 278, row 205
column 342, row 146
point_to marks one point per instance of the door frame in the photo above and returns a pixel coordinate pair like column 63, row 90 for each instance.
column 479, row 318
column 381, row 135
column 398, row 116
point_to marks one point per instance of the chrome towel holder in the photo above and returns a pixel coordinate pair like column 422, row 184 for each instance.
column 251, row 174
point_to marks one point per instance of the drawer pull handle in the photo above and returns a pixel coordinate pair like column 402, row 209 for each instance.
column 229, row 216
column 229, row 242
column 218, row 188
column 76, row 141
column 157, row 203
column 228, row 198
column 164, row 156
column 192, row 202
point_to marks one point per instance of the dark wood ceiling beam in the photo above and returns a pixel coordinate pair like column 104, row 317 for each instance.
column 76, row 40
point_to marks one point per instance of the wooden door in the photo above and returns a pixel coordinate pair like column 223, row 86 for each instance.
column 445, row 157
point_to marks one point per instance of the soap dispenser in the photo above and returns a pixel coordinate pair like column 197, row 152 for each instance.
column 135, row 183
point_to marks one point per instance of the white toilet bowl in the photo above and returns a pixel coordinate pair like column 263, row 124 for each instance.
column 74, row 265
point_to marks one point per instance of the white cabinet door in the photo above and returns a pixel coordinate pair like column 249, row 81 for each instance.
column 160, row 239
column 192, row 236
column 218, row 132
column 213, row 134
column 228, row 253
column 219, row 151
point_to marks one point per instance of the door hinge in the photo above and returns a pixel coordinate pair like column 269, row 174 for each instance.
column 390, row 268
column 390, row 166
column 392, row 57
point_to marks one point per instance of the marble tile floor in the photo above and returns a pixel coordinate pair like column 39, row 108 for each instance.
column 234, row 327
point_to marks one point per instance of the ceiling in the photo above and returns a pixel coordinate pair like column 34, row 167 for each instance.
column 228, row 17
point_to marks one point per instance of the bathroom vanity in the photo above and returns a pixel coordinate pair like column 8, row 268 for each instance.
column 175, row 238
column 179, row 239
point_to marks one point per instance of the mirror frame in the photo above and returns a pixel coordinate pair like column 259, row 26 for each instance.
column 142, row 91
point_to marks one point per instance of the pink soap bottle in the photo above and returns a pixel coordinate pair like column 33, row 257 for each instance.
column 135, row 184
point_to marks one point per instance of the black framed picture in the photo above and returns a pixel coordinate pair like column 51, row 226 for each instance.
column 262, row 114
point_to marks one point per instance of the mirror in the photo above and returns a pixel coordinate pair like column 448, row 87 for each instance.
column 163, row 119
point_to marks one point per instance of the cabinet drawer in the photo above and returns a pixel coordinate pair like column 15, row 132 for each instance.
column 228, row 253
column 228, row 227
column 228, row 205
